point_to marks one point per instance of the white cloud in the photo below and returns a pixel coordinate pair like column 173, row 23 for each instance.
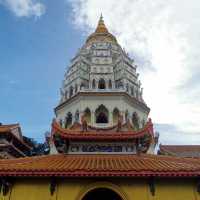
column 24, row 8
column 170, row 134
column 163, row 37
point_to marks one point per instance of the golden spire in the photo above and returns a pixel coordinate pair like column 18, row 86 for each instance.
column 101, row 33
column 101, row 28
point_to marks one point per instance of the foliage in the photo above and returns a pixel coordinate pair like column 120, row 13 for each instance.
column 37, row 148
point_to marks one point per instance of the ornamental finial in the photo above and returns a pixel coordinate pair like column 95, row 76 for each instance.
column 101, row 28
column 101, row 17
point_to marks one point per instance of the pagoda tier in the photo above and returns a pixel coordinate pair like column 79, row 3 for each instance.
column 116, row 139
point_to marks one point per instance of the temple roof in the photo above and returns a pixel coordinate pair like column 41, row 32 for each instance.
column 110, row 133
column 61, row 165
column 9, row 129
column 101, row 33
column 180, row 150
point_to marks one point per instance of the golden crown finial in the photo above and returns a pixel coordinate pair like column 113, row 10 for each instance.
column 101, row 28
column 101, row 33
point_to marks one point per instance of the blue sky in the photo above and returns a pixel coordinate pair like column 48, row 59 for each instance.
column 34, row 54
column 39, row 37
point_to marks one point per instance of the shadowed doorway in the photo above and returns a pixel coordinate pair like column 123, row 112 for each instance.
column 102, row 194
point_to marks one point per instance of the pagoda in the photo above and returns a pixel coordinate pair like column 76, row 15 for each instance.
column 101, row 109
column 102, row 141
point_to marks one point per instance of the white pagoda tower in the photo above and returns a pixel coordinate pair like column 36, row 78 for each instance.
column 101, row 83
column 101, row 95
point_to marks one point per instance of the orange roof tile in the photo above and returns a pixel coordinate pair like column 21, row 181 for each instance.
column 61, row 165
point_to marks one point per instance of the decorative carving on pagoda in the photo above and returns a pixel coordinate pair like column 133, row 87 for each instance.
column 129, row 126
column 84, row 123
column 119, row 123
column 120, row 138
column 61, row 145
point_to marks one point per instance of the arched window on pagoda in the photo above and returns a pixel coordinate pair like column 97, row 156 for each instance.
column 120, row 84
column 93, row 84
column 127, row 87
column 110, row 84
column 77, row 116
column 87, row 114
column 132, row 91
column 101, row 115
column 66, row 94
column 76, row 88
column 116, row 84
column 115, row 115
column 135, row 121
column 68, row 120
column 82, row 86
column 137, row 93
column 102, row 84
column 71, row 91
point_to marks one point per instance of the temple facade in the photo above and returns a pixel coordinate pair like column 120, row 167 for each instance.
column 102, row 141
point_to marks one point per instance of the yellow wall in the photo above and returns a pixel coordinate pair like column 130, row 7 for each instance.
column 128, row 189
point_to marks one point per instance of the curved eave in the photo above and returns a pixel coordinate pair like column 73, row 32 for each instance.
column 121, row 174
column 102, row 135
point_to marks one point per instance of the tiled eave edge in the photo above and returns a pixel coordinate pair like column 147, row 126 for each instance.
column 134, row 174
column 127, row 135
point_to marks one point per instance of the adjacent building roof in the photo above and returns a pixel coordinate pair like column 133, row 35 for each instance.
column 180, row 150
column 14, row 130
column 12, row 143
column 61, row 165
column 8, row 127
